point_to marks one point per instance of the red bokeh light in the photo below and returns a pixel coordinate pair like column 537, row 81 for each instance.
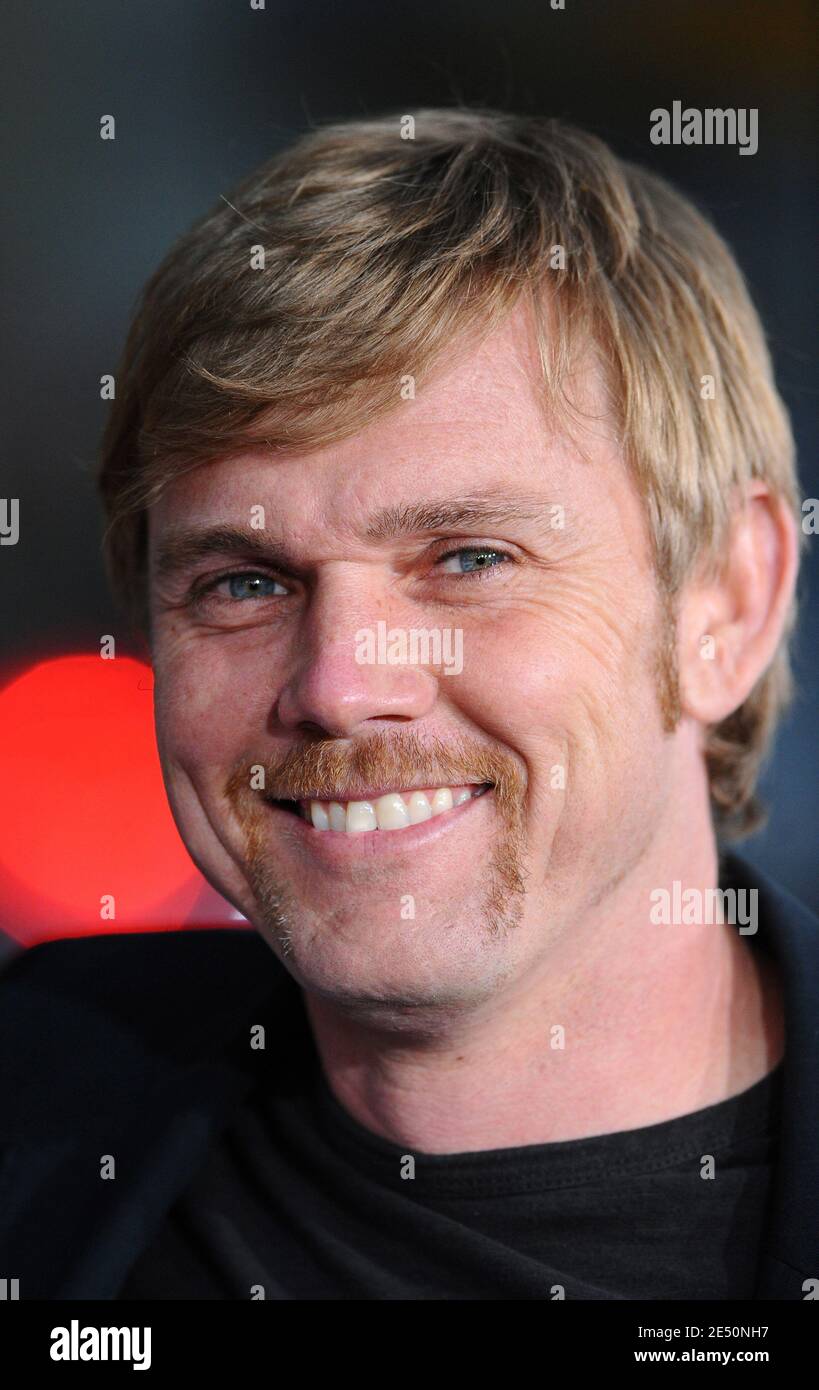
column 85, row 812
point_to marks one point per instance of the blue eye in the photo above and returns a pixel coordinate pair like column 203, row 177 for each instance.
column 481, row 558
column 251, row 585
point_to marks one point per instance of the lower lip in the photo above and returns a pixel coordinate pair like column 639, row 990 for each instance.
column 339, row 847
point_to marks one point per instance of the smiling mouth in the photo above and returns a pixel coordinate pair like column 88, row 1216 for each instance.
column 388, row 810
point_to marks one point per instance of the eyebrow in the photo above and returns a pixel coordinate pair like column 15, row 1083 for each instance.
column 449, row 513
column 182, row 548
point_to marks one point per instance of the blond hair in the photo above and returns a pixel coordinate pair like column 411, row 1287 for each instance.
column 378, row 250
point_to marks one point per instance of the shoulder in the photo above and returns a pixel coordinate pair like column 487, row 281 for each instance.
column 786, row 930
column 786, row 925
column 89, row 1020
column 112, row 959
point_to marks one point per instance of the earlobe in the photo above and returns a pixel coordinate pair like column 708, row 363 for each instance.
column 730, row 625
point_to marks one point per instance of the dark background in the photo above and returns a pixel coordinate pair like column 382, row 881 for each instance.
column 204, row 90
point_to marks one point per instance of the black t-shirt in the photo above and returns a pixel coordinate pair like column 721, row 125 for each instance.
column 296, row 1197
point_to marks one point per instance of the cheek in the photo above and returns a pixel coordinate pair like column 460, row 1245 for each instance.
column 567, row 680
column 582, row 648
column 208, row 703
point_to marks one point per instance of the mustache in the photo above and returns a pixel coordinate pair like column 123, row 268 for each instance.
column 329, row 768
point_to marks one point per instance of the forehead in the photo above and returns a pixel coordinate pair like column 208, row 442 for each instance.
column 478, row 423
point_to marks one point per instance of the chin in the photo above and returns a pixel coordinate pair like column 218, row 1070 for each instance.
column 382, row 965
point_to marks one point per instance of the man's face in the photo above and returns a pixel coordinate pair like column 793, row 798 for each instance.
column 460, row 514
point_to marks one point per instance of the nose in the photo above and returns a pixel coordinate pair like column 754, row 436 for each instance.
column 341, row 680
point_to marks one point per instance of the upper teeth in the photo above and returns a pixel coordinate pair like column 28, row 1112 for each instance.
column 393, row 811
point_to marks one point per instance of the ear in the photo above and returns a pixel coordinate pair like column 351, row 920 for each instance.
column 729, row 626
